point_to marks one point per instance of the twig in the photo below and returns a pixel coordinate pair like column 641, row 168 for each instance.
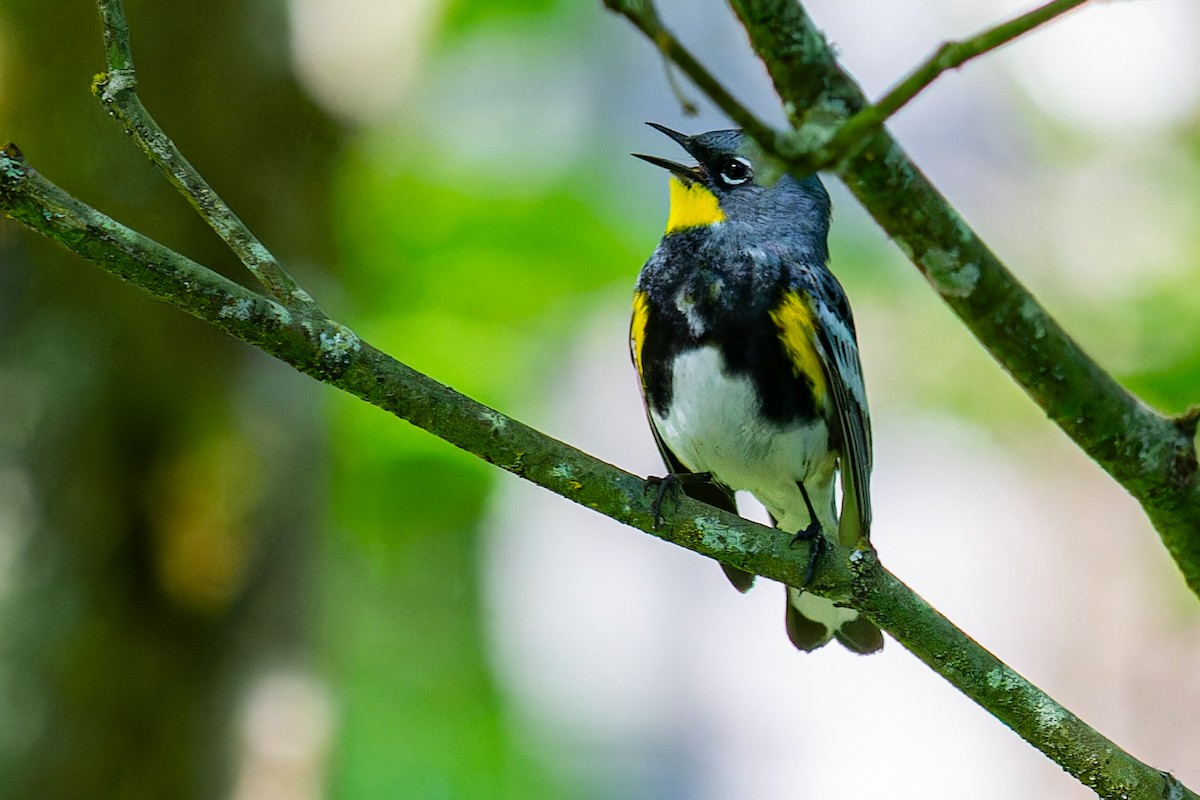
column 951, row 55
column 686, row 104
column 117, row 91
column 332, row 353
column 644, row 16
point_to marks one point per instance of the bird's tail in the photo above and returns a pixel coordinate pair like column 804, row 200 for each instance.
column 812, row 621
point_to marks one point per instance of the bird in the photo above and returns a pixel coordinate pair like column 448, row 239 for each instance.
column 745, row 350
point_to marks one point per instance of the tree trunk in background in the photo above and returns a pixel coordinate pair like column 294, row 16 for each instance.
column 159, row 483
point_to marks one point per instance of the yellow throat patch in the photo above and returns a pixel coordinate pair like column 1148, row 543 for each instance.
column 692, row 206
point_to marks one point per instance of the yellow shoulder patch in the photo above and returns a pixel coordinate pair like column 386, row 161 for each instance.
column 692, row 206
column 797, row 331
column 637, row 329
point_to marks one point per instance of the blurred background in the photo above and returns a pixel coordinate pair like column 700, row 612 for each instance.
column 220, row 579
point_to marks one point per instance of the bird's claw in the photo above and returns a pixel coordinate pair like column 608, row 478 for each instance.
column 666, row 483
column 816, row 544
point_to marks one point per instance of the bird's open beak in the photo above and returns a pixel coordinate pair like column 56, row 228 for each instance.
column 685, row 173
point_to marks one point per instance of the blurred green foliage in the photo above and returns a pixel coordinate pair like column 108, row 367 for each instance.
column 468, row 274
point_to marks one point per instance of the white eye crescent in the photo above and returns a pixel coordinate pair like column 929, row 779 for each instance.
column 736, row 171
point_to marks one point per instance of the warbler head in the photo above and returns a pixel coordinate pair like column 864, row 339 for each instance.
column 735, row 185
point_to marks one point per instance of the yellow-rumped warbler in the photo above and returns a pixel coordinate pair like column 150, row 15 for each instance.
column 745, row 347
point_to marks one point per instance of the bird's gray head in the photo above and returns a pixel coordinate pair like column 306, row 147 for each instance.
column 734, row 184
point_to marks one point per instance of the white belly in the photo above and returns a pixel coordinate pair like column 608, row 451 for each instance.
column 714, row 425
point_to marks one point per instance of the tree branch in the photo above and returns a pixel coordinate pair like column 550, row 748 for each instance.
column 117, row 91
column 334, row 354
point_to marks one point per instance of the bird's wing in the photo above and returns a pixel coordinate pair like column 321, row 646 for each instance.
column 837, row 345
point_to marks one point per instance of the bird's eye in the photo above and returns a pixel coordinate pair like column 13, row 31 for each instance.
column 735, row 171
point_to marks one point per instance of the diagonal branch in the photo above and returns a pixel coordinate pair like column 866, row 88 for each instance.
column 117, row 91
column 332, row 353
column 1149, row 454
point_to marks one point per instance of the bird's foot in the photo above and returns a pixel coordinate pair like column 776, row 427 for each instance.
column 667, row 483
column 816, row 544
